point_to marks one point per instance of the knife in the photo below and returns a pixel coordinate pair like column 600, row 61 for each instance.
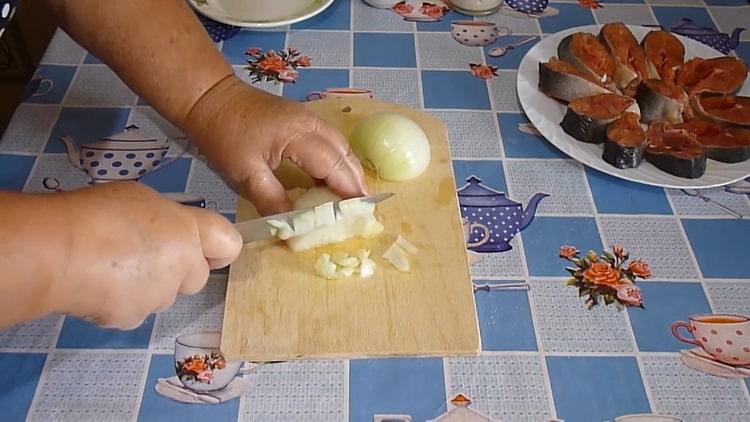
column 258, row 229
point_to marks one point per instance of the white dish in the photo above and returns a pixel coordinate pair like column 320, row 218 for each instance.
column 546, row 114
column 260, row 13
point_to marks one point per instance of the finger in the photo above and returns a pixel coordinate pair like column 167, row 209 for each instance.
column 220, row 241
column 265, row 191
column 196, row 276
column 325, row 154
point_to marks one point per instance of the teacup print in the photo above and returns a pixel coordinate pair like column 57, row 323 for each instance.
column 477, row 33
column 199, row 364
column 39, row 87
column 340, row 93
column 725, row 337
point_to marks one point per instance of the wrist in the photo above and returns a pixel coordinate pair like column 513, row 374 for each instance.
column 36, row 241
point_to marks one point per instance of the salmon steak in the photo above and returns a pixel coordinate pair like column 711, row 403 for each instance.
column 675, row 151
column 625, row 142
column 587, row 118
column 723, row 75
column 630, row 62
column 725, row 144
column 565, row 82
column 661, row 100
column 664, row 54
column 731, row 110
column 589, row 55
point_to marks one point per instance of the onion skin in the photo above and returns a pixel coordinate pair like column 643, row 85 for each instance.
column 392, row 145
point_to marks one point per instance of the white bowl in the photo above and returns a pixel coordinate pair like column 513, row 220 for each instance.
column 199, row 364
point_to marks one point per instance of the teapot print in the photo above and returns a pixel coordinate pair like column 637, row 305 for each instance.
column 124, row 156
column 709, row 36
column 497, row 218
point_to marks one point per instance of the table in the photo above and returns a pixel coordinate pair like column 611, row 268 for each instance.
column 544, row 354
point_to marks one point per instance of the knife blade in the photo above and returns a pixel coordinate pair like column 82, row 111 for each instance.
column 258, row 229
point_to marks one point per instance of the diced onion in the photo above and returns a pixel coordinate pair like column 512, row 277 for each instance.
column 392, row 145
column 341, row 265
column 406, row 245
column 396, row 253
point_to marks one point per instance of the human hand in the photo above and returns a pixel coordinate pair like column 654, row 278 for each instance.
column 132, row 251
column 245, row 133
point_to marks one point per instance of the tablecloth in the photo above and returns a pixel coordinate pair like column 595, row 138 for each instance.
column 545, row 355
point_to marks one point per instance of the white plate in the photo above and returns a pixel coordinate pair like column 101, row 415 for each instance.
column 546, row 115
column 260, row 13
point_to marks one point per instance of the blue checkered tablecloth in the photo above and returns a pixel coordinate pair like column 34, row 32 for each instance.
column 544, row 356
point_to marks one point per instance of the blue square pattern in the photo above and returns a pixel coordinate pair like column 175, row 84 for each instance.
column 14, row 170
column 617, row 196
column 49, row 85
column 337, row 16
column 571, row 15
column 19, row 383
column 155, row 407
column 726, row 2
column 373, row 49
column 454, row 89
column 86, row 125
column 596, row 388
column 505, row 320
column 671, row 16
column 92, row 59
column 79, row 334
column 169, row 177
column 544, row 236
column 720, row 246
column 490, row 172
column 512, row 58
column 315, row 80
column 665, row 303
column 413, row 387
column 235, row 47
column 518, row 144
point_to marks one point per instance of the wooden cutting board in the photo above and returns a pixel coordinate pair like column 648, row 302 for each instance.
column 278, row 309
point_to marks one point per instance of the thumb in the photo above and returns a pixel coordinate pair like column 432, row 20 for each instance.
column 220, row 242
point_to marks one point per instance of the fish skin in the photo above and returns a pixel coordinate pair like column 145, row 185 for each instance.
column 565, row 86
column 655, row 106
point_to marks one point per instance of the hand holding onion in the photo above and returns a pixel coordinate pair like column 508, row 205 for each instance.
column 246, row 133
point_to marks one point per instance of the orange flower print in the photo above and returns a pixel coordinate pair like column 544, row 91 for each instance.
column 603, row 274
column 629, row 295
column 483, row 71
column 568, row 252
column 403, row 8
column 205, row 376
column 253, row 51
column 619, row 252
column 288, row 75
column 304, row 61
column 195, row 365
column 639, row 269
column 590, row 4
column 432, row 10
column 272, row 63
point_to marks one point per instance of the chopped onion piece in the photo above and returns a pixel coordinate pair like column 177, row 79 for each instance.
column 340, row 265
column 397, row 257
column 325, row 268
column 406, row 245
column 366, row 268
column 304, row 223
column 280, row 229
column 325, row 215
